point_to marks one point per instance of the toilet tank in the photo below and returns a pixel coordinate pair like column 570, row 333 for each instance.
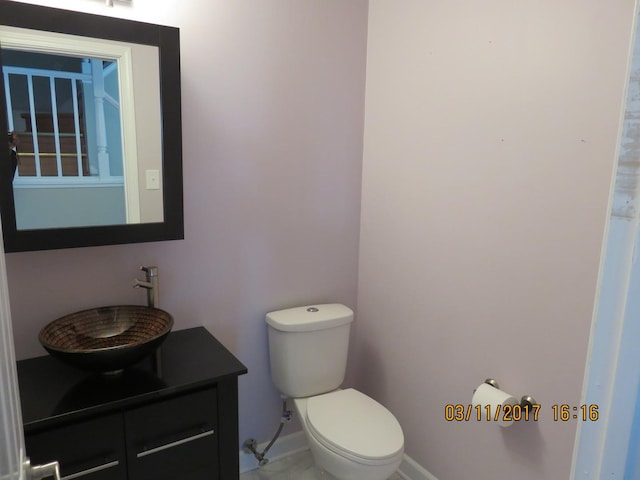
column 308, row 348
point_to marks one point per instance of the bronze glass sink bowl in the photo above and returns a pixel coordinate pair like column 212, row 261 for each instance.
column 106, row 339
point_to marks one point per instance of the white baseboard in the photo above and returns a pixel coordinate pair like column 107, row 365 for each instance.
column 412, row 470
column 297, row 442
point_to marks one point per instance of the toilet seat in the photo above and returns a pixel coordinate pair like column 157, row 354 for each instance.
column 354, row 425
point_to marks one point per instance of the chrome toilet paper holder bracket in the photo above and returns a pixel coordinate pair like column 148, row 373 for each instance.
column 526, row 401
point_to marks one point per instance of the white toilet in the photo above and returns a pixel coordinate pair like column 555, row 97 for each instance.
column 350, row 435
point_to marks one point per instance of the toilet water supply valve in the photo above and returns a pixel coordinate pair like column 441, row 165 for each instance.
column 251, row 445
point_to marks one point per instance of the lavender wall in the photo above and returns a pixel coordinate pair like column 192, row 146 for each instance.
column 490, row 140
column 273, row 98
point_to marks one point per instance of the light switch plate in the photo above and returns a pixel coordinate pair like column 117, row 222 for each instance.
column 153, row 179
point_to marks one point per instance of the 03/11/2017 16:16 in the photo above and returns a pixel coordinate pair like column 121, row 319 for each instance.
column 505, row 413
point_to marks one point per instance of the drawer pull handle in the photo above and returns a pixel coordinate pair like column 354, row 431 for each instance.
column 174, row 444
column 89, row 471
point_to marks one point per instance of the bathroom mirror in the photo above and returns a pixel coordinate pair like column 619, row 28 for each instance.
column 95, row 106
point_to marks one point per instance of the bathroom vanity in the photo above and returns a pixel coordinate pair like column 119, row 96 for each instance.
column 168, row 417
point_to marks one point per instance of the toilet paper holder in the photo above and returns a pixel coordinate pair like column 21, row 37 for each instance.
column 526, row 401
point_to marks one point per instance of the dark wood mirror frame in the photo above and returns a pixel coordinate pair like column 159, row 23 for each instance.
column 167, row 39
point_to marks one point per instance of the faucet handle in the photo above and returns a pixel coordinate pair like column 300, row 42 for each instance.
column 140, row 283
column 151, row 271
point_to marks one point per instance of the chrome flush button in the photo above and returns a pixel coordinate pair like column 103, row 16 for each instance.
column 312, row 309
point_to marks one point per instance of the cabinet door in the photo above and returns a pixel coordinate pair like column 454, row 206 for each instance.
column 89, row 450
column 174, row 438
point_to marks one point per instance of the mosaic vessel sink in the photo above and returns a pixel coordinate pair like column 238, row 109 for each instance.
column 106, row 339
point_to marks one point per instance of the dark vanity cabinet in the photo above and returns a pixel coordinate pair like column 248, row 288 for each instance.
column 174, row 439
column 176, row 418
column 92, row 450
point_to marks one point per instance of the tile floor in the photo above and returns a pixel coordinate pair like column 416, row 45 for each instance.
column 298, row 466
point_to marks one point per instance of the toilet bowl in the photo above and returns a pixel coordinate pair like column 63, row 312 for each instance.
column 350, row 435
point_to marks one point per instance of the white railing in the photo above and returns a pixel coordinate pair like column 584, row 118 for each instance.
column 98, row 171
column 29, row 74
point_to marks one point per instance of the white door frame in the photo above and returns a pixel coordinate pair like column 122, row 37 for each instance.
column 612, row 370
column 12, row 450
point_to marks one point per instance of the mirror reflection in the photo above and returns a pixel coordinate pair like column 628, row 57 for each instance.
column 83, row 157
column 64, row 115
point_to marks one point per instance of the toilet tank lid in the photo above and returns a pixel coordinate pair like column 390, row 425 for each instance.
column 310, row 317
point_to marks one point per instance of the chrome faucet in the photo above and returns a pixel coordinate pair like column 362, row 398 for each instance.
column 151, row 285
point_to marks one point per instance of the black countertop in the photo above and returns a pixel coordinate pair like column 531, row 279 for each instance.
column 53, row 393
